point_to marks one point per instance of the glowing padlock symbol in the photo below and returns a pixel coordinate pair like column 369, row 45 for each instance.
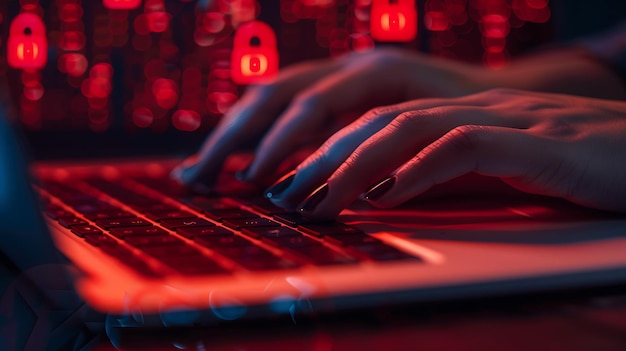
column 27, row 47
column 393, row 20
column 253, row 65
column 121, row 4
column 254, row 56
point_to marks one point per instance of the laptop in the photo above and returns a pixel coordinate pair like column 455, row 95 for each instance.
column 146, row 247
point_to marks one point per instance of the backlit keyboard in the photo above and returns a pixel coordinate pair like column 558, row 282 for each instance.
column 157, row 228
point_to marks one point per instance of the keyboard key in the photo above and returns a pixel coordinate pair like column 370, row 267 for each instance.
column 95, row 206
column 82, row 230
column 176, row 214
column 292, row 219
column 99, row 239
column 70, row 221
column 192, row 232
column 123, row 232
column 121, row 193
column 164, row 185
column 292, row 242
column 265, row 206
column 153, row 240
column 122, row 222
column 220, row 215
column 238, row 224
column 201, row 203
column 334, row 228
column 221, row 242
column 181, row 223
column 107, row 214
column 154, row 206
column 268, row 232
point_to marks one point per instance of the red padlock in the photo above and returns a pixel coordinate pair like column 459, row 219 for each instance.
column 254, row 57
column 121, row 4
column 393, row 20
column 27, row 47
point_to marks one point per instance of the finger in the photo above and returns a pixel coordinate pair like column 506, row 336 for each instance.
column 248, row 119
column 386, row 150
column 348, row 90
column 487, row 150
column 323, row 162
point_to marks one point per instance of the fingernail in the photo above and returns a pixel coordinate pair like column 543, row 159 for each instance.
column 242, row 175
column 380, row 189
column 310, row 203
column 277, row 188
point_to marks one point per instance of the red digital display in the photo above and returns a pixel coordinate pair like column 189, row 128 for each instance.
column 27, row 47
column 393, row 20
column 254, row 56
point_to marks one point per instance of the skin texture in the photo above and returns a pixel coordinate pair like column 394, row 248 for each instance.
column 556, row 145
column 435, row 112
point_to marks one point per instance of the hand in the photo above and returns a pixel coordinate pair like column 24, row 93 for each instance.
column 556, row 145
column 307, row 99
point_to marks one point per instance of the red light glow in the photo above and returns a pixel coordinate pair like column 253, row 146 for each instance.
column 72, row 41
column 71, row 13
column 436, row 21
column 156, row 16
column 254, row 63
column 121, row 4
column 393, row 21
column 27, row 47
column 73, row 64
column 143, row 117
column 165, row 93
column 186, row 120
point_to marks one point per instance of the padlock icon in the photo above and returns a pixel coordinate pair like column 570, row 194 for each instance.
column 254, row 57
column 121, row 4
column 27, row 47
column 393, row 20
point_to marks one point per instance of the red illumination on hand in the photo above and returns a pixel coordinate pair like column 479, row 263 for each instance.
column 393, row 21
column 27, row 47
column 251, row 63
column 121, row 4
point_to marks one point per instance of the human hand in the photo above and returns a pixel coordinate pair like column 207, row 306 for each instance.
column 556, row 145
column 307, row 99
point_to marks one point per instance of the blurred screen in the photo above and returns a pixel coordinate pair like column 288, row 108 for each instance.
column 156, row 77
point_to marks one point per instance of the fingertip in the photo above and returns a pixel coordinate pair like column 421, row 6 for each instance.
column 184, row 174
column 383, row 194
column 380, row 189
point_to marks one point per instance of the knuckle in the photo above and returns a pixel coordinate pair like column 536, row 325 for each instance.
column 403, row 119
column 465, row 138
column 418, row 118
column 378, row 112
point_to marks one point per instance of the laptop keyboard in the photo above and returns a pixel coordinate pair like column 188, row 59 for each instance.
column 157, row 228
